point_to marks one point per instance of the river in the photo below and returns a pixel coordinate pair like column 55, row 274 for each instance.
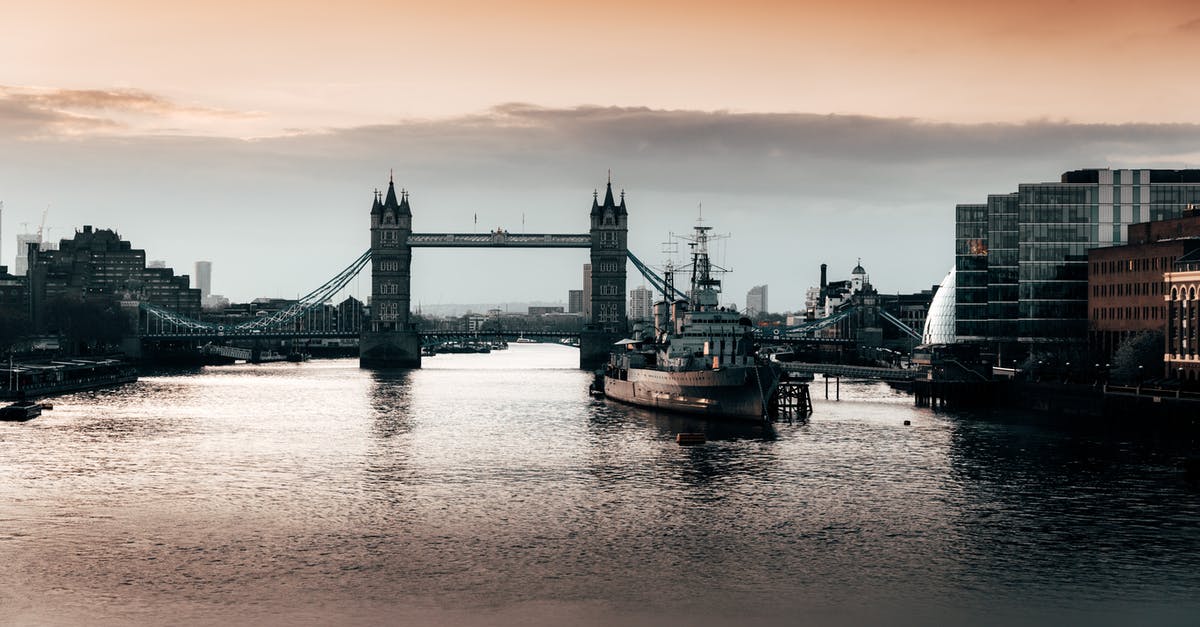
column 491, row 490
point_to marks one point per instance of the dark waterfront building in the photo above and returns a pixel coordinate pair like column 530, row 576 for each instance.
column 1022, row 259
column 1127, row 285
column 98, row 265
column 13, row 294
column 575, row 301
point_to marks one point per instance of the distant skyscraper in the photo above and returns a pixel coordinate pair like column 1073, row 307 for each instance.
column 587, row 292
column 575, row 301
column 640, row 302
column 204, row 278
column 23, row 242
column 756, row 300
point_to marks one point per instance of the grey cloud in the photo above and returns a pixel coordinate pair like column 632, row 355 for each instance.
column 71, row 111
column 20, row 119
column 804, row 188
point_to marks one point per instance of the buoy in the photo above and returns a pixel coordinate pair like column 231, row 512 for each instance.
column 907, row 422
column 690, row 439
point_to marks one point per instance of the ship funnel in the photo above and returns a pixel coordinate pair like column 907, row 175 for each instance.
column 662, row 318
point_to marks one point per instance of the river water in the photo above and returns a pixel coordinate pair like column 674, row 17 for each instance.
column 491, row 490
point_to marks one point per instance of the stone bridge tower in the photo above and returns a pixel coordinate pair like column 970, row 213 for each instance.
column 389, row 339
column 610, row 245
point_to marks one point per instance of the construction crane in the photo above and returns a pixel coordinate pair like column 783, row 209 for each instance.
column 42, row 226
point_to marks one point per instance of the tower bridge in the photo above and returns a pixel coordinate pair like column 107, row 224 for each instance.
column 388, row 338
column 391, row 340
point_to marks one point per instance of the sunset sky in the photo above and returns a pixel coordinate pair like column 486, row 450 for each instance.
column 253, row 133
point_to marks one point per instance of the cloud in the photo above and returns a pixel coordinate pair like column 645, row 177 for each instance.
column 46, row 112
column 796, row 189
column 1191, row 27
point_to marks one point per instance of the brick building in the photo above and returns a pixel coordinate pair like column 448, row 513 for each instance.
column 1126, row 284
column 1182, row 299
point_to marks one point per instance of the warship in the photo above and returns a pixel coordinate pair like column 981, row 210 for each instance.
column 698, row 358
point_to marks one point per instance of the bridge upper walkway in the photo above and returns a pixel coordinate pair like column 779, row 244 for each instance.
column 853, row 372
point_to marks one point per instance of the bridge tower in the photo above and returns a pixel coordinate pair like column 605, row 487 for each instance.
column 389, row 339
column 610, row 246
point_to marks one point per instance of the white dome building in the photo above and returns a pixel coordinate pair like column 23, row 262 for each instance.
column 939, row 323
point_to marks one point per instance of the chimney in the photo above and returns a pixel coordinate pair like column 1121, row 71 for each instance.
column 824, row 284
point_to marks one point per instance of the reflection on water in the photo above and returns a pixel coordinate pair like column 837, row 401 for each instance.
column 491, row 489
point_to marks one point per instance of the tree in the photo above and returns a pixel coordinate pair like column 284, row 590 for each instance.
column 1140, row 355
column 88, row 325
column 14, row 325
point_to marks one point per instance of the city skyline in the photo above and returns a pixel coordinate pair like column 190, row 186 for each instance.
column 263, row 158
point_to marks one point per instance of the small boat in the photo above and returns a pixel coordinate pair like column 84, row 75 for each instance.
column 21, row 411
column 525, row 340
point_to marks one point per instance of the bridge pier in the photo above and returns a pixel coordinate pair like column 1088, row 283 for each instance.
column 390, row 349
column 594, row 347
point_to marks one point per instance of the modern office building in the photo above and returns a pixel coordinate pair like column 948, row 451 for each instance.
column 756, row 300
column 204, row 278
column 1047, row 230
column 939, row 322
column 575, row 301
column 641, row 303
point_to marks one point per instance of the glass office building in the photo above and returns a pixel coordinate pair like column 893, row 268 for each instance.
column 1025, row 253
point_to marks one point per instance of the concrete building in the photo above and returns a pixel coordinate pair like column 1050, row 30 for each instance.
column 21, row 267
column 756, row 300
column 641, row 303
column 1127, row 288
column 575, row 301
column 473, row 322
column 1021, row 258
column 98, row 265
column 204, row 278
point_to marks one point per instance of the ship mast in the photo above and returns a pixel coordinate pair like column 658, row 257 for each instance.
column 705, row 286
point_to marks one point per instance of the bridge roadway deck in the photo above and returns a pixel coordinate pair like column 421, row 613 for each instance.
column 852, row 372
column 500, row 239
column 293, row 335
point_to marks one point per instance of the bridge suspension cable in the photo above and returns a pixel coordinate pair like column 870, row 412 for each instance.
column 656, row 281
column 809, row 327
column 303, row 305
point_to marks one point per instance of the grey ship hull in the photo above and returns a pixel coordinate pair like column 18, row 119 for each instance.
column 730, row 392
